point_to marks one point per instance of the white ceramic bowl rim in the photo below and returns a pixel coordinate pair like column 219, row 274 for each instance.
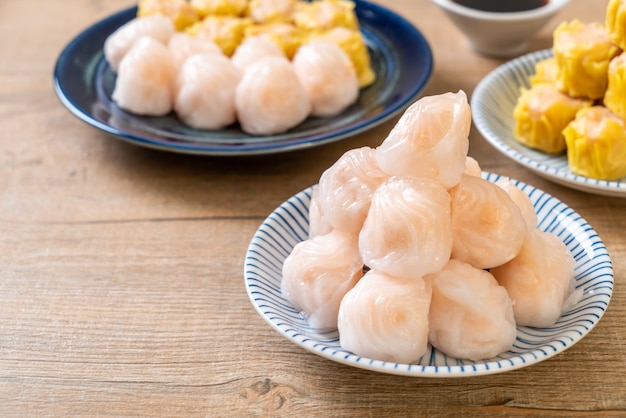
column 552, row 7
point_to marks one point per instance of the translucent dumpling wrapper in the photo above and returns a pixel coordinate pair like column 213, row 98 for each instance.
column 541, row 113
column 471, row 315
column 226, row 31
column 615, row 22
column 430, row 140
column 328, row 75
column 270, row 98
column 318, row 273
column 346, row 188
column 488, row 227
column 183, row 46
column 615, row 96
column 205, row 94
column 472, row 168
column 596, row 144
column 145, row 79
column 353, row 44
column 407, row 232
column 538, row 279
column 521, row 199
column 117, row 45
column 386, row 318
column 180, row 12
column 317, row 221
column 546, row 71
column 253, row 49
column 583, row 52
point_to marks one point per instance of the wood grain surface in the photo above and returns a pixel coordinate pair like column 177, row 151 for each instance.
column 121, row 268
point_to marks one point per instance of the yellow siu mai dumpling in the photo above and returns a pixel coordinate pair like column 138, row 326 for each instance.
column 615, row 96
column 583, row 52
column 546, row 71
column 596, row 144
column 324, row 15
column 541, row 113
column 353, row 44
column 219, row 7
column 226, row 31
column 616, row 22
column 271, row 11
column 180, row 11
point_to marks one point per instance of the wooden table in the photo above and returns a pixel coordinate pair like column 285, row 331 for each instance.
column 121, row 268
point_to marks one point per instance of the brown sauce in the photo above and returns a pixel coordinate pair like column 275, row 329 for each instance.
column 502, row 5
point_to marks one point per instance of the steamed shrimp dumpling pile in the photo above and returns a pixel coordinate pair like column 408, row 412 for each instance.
column 386, row 318
column 471, row 315
column 145, row 80
column 346, row 187
column 407, row 231
column 206, row 88
column 318, row 273
column 430, row 140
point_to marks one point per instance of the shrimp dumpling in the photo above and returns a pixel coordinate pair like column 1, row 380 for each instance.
column 328, row 75
column 407, row 231
column 183, row 45
column 317, row 274
column 430, row 140
column 522, row 201
column 538, row 279
column 145, row 79
column 471, row 315
column 346, row 187
column 117, row 45
column 386, row 318
column 253, row 48
column 206, row 86
column 270, row 99
column 488, row 227
column 317, row 221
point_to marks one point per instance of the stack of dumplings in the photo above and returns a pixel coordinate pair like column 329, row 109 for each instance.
column 577, row 99
column 267, row 64
column 409, row 246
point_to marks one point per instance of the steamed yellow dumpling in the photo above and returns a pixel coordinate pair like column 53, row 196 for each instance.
column 325, row 15
column 353, row 44
column 180, row 11
column 546, row 71
column 540, row 115
column 583, row 52
column 219, row 7
column 615, row 97
column 616, row 22
column 596, row 144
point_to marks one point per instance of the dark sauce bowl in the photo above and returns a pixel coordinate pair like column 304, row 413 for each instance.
column 497, row 33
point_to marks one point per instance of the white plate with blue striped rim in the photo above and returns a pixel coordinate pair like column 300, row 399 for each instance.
column 289, row 224
column 492, row 106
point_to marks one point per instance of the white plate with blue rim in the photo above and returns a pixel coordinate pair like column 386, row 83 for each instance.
column 400, row 56
column 289, row 224
column 492, row 106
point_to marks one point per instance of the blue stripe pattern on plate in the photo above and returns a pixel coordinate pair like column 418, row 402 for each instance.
column 289, row 224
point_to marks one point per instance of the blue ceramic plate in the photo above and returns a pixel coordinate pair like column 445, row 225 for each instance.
column 492, row 105
column 288, row 225
column 401, row 58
